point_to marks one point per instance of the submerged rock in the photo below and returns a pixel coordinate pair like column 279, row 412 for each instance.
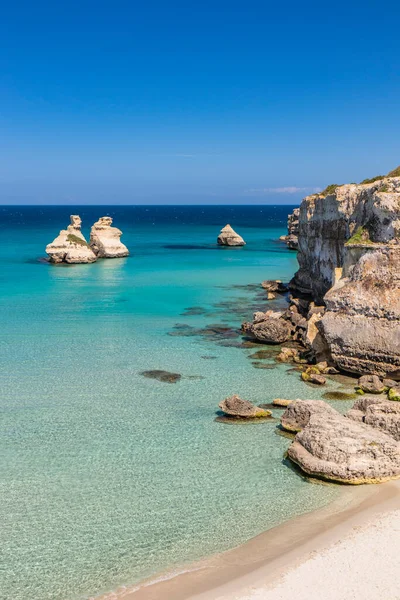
column 70, row 245
column 299, row 412
column 339, row 449
column 164, row 376
column 105, row 240
column 287, row 355
column 337, row 395
column 234, row 406
column 229, row 237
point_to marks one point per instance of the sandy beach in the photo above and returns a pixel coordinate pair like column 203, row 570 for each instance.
column 326, row 554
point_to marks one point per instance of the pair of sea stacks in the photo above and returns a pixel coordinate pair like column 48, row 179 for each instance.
column 71, row 247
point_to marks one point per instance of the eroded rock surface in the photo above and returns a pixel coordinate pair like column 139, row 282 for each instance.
column 291, row 238
column 299, row 412
column 235, row 406
column 268, row 327
column 70, row 245
column 105, row 240
column 328, row 221
column 229, row 237
column 342, row 450
column 361, row 324
column 379, row 413
column 274, row 285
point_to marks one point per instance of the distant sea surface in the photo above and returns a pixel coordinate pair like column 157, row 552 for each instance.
column 109, row 477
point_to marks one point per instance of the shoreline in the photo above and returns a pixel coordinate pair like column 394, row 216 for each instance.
column 265, row 558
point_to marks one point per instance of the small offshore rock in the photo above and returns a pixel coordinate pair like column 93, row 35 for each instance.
column 345, row 451
column 299, row 412
column 235, row 406
column 274, row 285
column 164, row 376
column 229, row 237
column 371, row 384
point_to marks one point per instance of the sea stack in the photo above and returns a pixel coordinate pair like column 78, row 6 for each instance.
column 292, row 237
column 229, row 237
column 105, row 240
column 70, row 245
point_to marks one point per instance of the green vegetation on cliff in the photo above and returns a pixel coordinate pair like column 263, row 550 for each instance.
column 361, row 236
column 373, row 179
column 74, row 239
column 330, row 189
column 394, row 173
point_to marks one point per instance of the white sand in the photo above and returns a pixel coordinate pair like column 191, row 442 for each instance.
column 348, row 550
column 363, row 565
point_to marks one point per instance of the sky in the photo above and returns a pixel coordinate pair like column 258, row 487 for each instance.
column 129, row 102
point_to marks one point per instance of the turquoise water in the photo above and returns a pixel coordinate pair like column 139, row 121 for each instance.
column 108, row 477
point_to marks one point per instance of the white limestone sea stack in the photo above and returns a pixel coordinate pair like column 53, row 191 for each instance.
column 105, row 240
column 229, row 237
column 70, row 245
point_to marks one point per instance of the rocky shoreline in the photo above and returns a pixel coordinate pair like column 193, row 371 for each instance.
column 343, row 317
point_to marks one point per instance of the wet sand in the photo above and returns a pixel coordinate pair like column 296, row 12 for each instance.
column 254, row 569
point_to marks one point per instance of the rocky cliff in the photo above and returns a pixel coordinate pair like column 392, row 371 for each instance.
column 327, row 221
column 349, row 258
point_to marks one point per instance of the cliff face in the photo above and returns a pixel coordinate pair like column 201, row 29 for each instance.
column 327, row 222
column 349, row 258
column 361, row 324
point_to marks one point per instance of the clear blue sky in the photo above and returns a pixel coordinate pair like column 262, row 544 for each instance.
column 195, row 102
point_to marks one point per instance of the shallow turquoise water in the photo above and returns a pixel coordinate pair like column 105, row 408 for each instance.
column 108, row 477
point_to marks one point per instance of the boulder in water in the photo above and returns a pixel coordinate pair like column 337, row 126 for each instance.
column 234, row 406
column 371, row 384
